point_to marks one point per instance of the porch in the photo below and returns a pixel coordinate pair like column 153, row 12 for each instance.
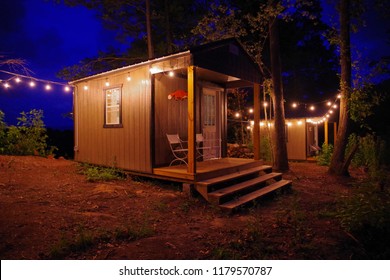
column 205, row 169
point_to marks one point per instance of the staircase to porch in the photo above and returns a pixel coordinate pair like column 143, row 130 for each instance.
column 232, row 188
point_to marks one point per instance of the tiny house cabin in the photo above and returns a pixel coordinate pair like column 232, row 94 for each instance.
column 123, row 117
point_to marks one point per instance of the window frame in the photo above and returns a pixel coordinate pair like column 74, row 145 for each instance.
column 105, row 90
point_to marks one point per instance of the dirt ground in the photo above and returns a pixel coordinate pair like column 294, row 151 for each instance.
column 48, row 210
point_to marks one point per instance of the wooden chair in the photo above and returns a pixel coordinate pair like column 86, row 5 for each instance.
column 178, row 149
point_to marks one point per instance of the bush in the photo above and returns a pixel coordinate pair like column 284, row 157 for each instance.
column 325, row 155
column 27, row 138
column 366, row 215
column 3, row 134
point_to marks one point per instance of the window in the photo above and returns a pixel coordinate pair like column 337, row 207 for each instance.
column 112, row 110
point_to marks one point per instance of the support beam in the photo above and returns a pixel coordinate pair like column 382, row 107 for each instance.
column 326, row 132
column 191, row 80
column 256, row 127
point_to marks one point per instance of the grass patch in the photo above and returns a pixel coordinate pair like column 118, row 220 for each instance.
column 96, row 173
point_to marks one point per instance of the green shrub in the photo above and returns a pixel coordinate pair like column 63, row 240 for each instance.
column 366, row 216
column 325, row 155
column 265, row 148
column 27, row 138
column 3, row 134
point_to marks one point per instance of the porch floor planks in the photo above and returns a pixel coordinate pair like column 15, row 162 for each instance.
column 203, row 168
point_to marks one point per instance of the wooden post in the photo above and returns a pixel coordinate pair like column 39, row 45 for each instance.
column 191, row 74
column 326, row 132
column 256, row 126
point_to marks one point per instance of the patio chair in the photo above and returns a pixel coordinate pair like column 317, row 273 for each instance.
column 178, row 150
column 200, row 146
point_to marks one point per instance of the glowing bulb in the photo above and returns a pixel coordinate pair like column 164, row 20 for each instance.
column 329, row 103
column 250, row 111
column 265, row 104
column 330, row 111
column 339, row 96
column 32, row 84
column 252, row 123
column 312, row 108
column 289, row 124
column 48, row 87
column 18, row 80
column 107, row 83
column 335, row 106
column 171, row 74
column 6, row 85
column 248, row 127
column 299, row 122
column 237, row 115
column 85, row 87
column 294, row 105
column 128, row 78
column 67, row 88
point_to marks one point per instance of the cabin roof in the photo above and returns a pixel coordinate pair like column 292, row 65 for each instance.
column 227, row 57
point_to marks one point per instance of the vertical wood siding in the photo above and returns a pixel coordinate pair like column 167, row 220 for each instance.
column 170, row 115
column 127, row 147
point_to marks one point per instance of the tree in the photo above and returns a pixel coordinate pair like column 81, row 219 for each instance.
column 280, row 147
column 145, row 25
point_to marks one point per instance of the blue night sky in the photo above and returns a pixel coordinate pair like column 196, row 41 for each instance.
column 51, row 36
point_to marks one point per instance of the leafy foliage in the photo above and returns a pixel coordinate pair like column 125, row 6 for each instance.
column 325, row 155
column 366, row 215
column 27, row 138
column 3, row 134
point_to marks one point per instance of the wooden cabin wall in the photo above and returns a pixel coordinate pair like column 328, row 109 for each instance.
column 296, row 139
column 127, row 147
column 170, row 116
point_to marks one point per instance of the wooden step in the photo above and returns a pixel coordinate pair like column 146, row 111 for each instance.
column 233, row 204
column 243, row 187
column 235, row 175
column 238, row 165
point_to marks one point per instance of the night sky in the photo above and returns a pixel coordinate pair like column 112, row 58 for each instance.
column 50, row 37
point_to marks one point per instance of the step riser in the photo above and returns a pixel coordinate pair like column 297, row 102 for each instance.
column 285, row 186
column 228, row 197
column 222, row 198
column 217, row 173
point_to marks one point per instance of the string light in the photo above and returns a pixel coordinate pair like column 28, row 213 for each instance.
column 17, row 78
column 107, row 83
column 171, row 74
column 128, row 78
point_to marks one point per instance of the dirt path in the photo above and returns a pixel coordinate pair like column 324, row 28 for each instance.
column 48, row 210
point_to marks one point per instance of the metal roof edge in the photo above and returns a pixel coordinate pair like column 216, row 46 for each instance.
column 128, row 67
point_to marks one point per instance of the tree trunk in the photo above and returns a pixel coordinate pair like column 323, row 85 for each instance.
column 168, row 31
column 149, row 31
column 337, row 165
column 280, row 147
